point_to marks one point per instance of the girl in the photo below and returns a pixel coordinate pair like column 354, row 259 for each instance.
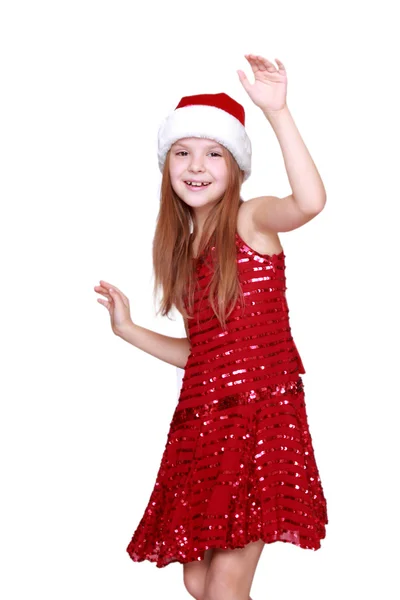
column 238, row 470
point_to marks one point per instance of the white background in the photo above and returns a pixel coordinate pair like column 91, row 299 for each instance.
column 84, row 415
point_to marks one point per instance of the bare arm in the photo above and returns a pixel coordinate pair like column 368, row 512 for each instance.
column 308, row 197
column 174, row 351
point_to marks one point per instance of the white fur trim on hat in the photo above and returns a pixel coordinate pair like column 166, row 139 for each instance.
column 206, row 122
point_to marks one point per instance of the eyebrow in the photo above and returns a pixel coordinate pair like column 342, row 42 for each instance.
column 179, row 144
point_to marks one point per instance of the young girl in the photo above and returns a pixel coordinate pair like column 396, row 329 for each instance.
column 238, row 470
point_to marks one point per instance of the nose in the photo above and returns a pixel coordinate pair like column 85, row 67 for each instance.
column 196, row 164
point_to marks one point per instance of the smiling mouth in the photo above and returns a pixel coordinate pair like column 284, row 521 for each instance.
column 196, row 188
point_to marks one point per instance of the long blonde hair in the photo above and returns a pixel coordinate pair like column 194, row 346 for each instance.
column 173, row 263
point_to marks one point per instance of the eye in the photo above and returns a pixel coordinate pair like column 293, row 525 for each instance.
column 184, row 152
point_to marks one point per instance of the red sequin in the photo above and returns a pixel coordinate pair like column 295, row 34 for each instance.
column 238, row 464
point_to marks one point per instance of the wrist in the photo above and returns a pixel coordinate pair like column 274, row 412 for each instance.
column 125, row 330
column 275, row 114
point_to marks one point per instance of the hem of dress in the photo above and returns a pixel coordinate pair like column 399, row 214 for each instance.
column 161, row 563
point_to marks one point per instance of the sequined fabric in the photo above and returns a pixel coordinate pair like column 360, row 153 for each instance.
column 238, row 464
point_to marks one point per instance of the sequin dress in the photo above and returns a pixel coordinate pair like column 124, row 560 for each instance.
column 238, row 464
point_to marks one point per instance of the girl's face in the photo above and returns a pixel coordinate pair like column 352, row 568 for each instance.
column 198, row 160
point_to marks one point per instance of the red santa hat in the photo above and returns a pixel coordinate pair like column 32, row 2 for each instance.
column 213, row 116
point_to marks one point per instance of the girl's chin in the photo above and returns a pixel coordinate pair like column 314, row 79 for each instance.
column 199, row 201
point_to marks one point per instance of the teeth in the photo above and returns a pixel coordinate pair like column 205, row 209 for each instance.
column 196, row 184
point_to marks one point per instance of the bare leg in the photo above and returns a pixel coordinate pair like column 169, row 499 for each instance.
column 195, row 573
column 231, row 572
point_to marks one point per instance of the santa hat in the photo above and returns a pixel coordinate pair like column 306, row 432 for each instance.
column 213, row 116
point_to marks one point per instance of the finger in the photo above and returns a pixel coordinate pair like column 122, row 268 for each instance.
column 252, row 60
column 245, row 82
column 115, row 295
column 266, row 64
column 280, row 64
column 262, row 63
column 108, row 285
column 103, row 302
column 100, row 288
column 118, row 296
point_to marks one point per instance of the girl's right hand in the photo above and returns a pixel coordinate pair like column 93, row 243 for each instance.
column 117, row 304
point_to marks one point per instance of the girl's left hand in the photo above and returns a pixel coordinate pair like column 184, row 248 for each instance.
column 268, row 91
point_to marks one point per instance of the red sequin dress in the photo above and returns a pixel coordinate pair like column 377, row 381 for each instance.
column 238, row 463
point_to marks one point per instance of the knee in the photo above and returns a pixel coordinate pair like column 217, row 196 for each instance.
column 194, row 583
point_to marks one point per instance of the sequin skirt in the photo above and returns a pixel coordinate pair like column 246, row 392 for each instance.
column 234, row 471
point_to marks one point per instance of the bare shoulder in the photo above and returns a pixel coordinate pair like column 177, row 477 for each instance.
column 264, row 242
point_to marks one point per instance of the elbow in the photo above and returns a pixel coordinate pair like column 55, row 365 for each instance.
column 318, row 206
column 322, row 204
